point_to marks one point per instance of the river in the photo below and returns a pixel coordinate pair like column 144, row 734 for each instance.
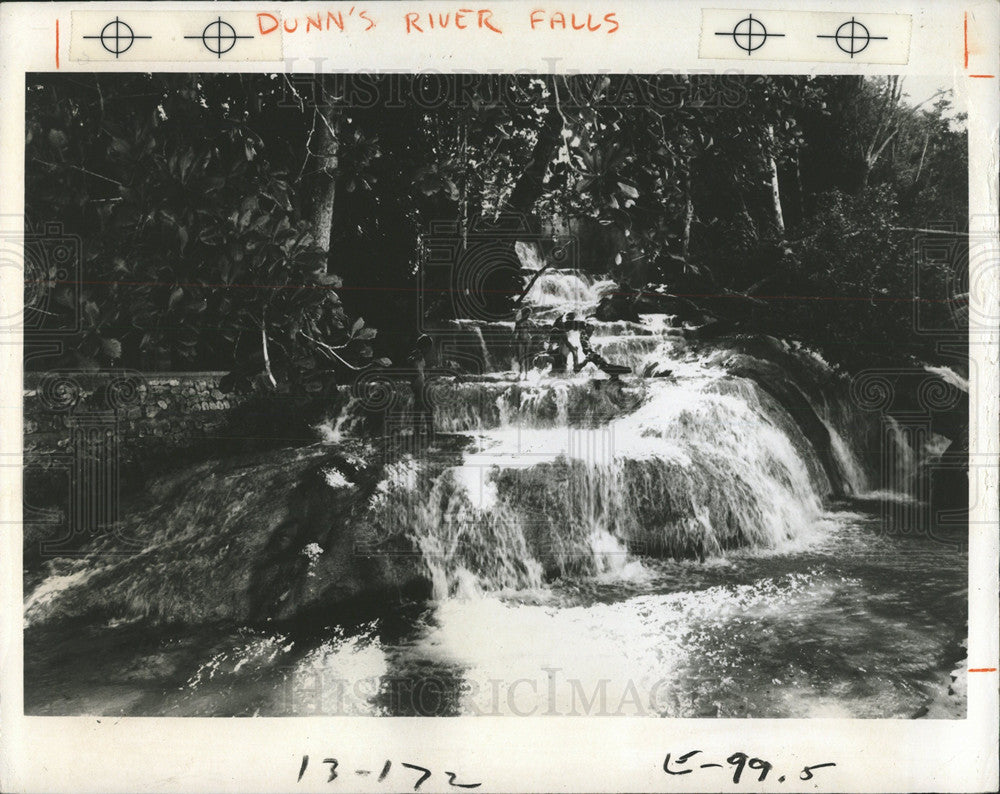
column 672, row 545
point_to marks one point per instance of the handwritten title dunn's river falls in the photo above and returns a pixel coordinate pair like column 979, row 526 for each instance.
column 484, row 19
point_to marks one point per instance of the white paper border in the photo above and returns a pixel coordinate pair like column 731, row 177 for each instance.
column 512, row 754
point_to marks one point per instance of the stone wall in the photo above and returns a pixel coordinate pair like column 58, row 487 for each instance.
column 144, row 414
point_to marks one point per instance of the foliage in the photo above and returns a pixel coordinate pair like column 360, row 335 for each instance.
column 190, row 194
column 194, row 248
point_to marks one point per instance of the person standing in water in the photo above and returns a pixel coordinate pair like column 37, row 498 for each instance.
column 559, row 349
column 419, row 359
column 523, row 328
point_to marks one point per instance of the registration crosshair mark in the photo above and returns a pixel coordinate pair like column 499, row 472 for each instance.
column 852, row 37
column 219, row 37
column 117, row 37
column 746, row 31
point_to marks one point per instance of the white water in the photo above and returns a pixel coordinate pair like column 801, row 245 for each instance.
column 559, row 291
column 570, row 475
column 698, row 468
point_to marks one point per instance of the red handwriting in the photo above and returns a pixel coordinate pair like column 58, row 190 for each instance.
column 463, row 18
column 269, row 23
column 557, row 21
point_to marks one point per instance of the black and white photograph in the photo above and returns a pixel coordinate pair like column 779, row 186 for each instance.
column 518, row 394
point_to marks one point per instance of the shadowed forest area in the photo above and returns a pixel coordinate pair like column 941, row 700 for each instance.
column 271, row 225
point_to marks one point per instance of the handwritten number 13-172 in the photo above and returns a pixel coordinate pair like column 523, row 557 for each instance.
column 425, row 773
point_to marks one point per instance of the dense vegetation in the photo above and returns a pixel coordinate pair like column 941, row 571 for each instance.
column 250, row 222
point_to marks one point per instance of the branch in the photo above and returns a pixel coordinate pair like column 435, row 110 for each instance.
column 527, row 289
column 882, row 147
column 333, row 132
column 302, row 104
column 79, row 168
column 928, row 231
column 936, row 94
column 923, row 153
column 331, row 352
column 562, row 116
column 309, row 151
column 267, row 358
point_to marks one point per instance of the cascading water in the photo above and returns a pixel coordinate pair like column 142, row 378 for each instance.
column 663, row 542
column 690, row 463
column 564, row 468
column 558, row 291
column 699, row 468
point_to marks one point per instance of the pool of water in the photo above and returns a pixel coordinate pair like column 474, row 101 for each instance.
column 858, row 622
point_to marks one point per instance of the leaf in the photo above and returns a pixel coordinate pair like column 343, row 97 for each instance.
column 383, row 362
column 65, row 297
column 367, row 333
column 185, row 164
column 57, row 138
column 211, row 235
column 112, row 348
column 628, row 190
column 175, row 296
column 329, row 280
column 358, row 325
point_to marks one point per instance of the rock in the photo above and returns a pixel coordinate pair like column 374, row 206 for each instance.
column 683, row 309
column 772, row 378
column 249, row 568
column 617, row 306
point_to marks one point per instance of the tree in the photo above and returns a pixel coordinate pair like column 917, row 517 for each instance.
column 204, row 253
column 222, row 216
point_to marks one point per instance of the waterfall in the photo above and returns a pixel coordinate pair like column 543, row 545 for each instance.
column 567, row 474
column 900, row 469
column 487, row 363
column 698, row 470
column 332, row 431
column 851, row 468
column 559, row 291
column 529, row 255
column 702, row 453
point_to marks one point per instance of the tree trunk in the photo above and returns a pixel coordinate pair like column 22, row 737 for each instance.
column 799, row 188
column 688, row 217
column 920, row 165
column 322, row 187
column 885, row 131
column 463, row 207
column 531, row 182
column 779, row 218
column 866, row 171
